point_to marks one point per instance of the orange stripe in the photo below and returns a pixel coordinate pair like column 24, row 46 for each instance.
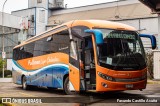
column 42, row 61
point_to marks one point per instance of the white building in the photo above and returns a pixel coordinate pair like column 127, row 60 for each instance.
column 44, row 14
column 11, row 26
column 37, row 13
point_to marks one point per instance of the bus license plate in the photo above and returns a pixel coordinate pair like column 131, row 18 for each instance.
column 129, row 85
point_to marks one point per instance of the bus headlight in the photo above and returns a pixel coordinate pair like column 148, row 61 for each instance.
column 104, row 76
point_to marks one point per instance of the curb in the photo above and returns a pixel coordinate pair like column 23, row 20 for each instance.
column 6, row 80
column 153, row 82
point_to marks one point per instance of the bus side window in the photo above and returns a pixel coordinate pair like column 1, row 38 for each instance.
column 16, row 54
column 61, row 41
column 79, row 31
column 73, row 50
column 29, row 48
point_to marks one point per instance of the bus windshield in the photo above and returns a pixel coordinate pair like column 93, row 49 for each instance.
column 121, row 50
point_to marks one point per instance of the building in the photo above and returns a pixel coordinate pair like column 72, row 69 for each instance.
column 11, row 26
column 9, row 37
column 154, row 5
column 131, row 12
column 37, row 14
column 45, row 14
column 42, row 15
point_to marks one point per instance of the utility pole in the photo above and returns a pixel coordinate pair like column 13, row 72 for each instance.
column 3, row 52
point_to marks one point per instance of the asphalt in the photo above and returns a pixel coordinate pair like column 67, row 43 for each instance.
column 58, row 98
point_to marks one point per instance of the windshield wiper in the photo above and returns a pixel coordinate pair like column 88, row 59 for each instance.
column 120, row 57
column 134, row 58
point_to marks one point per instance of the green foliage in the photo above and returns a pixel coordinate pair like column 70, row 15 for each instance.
column 7, row 73
column 2, row 62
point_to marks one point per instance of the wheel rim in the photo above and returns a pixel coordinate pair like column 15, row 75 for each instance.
column 68, row 87
column 24, row 83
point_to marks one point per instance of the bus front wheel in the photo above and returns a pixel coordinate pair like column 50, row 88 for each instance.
column 24, row 83
column 66, row 87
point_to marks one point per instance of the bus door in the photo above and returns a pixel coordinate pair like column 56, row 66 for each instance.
column 89, row 64
column 75, row 64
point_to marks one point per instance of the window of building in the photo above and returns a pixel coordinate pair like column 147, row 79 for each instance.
column 42, row 16
column 39, row 1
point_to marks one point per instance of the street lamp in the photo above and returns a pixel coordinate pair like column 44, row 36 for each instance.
column 3, row 53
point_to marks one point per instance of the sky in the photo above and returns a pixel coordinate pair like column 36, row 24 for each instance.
column 12, row 5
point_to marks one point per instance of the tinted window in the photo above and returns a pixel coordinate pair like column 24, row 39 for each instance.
column 23, row 52
column 58, row 42
column 79, row 31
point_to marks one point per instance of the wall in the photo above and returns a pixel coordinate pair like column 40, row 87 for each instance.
column 11, row 25
column 145, row 26
column 33, row 3
column 10, row 40
column 130, row 12
column 41, row 20
column 10, row 20
column 27, row 13
column 129, row 9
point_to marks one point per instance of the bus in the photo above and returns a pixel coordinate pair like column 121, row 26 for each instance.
column 83, row 55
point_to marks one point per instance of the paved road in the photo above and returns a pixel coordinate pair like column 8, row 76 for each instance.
column 93, row 99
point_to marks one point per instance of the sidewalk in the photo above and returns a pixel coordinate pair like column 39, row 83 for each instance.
column 6, row 80
column 149, row 81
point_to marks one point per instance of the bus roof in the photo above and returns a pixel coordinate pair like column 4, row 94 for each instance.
column 88, row 23
column 100, row 24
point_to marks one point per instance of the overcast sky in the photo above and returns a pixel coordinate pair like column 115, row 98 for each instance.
column 12, row 5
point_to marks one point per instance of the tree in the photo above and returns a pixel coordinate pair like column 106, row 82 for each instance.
column 2, row 62
column 1, row 65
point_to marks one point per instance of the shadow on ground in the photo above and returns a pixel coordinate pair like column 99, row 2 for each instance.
column 87, row 98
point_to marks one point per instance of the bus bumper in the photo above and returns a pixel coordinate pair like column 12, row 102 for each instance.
column 105, row 86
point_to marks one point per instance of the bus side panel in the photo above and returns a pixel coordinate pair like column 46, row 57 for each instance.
column 58, row 75
column 46, row 70
column 17, row 72
column 16, row 77
column 50, row 76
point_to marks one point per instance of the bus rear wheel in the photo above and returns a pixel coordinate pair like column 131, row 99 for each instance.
column 66, row 87
column 24, row 83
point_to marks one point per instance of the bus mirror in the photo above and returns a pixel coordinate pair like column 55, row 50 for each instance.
column 98, row 35
column 21, row 48
column 152, row 38
column 49, row 38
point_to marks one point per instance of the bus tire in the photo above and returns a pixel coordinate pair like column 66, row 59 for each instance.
column 24, row 83
column 66, row 87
